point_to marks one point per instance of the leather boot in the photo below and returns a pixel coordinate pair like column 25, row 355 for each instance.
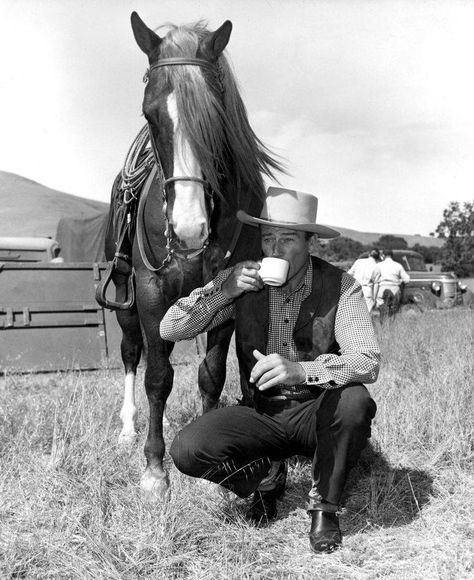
column 325, row 534
column 263, row 506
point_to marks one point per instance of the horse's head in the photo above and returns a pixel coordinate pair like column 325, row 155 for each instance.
column 183, row 106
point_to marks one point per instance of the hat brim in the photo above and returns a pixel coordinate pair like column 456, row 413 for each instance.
column 322, row 231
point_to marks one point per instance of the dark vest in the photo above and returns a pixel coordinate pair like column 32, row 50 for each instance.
column 314, row 329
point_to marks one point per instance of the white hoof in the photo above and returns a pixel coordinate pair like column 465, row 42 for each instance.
column 127, row 438
column 155, row 484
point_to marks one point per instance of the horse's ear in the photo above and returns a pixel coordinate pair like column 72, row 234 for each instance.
column 214, row 44
column 146, row 39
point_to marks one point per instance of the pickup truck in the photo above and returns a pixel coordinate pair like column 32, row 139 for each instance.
column 427, row 289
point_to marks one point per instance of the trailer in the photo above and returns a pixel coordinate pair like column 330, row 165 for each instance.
column 50, row 321
column 28, row 249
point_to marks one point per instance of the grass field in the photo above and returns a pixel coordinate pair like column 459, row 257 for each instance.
column 469, row 283
column 71, row 506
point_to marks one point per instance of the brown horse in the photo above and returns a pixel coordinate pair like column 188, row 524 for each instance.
column 208, row 163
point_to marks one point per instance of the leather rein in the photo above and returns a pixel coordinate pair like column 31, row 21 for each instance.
column 171, row 252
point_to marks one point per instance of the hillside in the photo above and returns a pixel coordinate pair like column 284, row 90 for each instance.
column 28, row 208
column 368, row 238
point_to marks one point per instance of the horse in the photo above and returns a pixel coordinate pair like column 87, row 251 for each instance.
column 207, row 163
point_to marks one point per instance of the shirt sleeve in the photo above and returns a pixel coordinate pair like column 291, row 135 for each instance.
column 204, row 309
column 376, row 275
column 359, row 357
column 404, row 276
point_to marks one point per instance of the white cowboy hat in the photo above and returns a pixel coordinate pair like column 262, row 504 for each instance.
column 286, row 208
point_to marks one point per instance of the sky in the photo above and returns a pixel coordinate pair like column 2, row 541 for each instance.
column 370, row 102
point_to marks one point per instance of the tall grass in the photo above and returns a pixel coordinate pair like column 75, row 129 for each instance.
column 71, row 507
column 425, row 389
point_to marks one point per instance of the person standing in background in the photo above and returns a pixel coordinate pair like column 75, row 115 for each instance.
column 367, row 273
column 392, row 276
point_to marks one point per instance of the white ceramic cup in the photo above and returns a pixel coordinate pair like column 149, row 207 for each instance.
column 274, row 271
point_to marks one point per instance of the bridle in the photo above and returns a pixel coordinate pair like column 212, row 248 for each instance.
column 172, row 252
column 140, row 169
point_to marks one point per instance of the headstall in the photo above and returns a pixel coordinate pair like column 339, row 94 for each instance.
column 137, row 169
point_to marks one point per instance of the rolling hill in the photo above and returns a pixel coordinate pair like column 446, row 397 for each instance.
column 28, row 208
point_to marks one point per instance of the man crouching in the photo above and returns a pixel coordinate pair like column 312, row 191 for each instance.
column 305, row 348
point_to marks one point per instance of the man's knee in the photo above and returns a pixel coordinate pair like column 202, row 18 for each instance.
column 202, row 443
column 356, row 408
column 183, row 452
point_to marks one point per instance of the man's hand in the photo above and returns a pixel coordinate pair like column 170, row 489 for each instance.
column 273, row 370
column 244, row 278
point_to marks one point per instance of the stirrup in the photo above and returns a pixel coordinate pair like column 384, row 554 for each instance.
column 101, row 290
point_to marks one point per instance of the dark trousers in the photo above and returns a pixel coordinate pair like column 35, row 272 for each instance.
column 391, row 303
column 230, row 445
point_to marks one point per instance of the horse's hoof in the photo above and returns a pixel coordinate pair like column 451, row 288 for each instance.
column 155, row 485
column 127, row 439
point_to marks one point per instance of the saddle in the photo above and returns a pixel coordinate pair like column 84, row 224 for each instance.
column 137, row 173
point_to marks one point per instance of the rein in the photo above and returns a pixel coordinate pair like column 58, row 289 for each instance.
column 171, row 252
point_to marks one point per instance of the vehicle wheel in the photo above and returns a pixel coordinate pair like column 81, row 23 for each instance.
column 422, row 300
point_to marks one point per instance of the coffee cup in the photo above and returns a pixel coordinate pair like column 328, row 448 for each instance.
column 274, row 271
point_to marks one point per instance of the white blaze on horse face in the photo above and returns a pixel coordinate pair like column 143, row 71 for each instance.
column 189, row 216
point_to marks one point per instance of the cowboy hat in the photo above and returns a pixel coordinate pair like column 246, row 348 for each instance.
column 286, row 208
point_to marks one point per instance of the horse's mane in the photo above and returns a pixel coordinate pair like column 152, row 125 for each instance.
column 215, row 121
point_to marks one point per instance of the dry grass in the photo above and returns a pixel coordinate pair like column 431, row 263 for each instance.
column 469, row 283
column 71, row 507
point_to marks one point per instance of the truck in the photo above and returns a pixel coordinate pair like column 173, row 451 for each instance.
column 427, row 289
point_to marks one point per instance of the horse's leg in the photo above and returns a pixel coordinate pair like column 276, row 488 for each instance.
column 131, row 349
column 158, row 380
column 132, row 341
column 158, row 384
column 212, row 370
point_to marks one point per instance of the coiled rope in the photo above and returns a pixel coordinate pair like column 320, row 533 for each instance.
column 137, row 166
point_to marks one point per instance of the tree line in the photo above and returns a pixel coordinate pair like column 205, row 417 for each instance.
column 344, row 249
column 456, row 255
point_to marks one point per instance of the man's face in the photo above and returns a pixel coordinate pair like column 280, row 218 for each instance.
column 291, row 245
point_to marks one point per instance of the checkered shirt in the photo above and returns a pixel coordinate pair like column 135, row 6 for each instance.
column 359, row 358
